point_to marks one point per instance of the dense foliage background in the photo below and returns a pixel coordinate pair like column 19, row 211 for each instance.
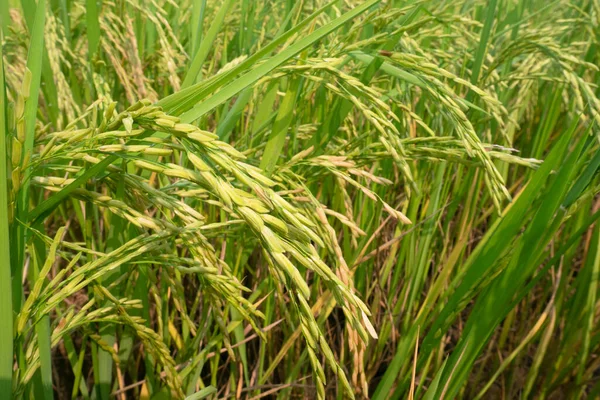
column 292, row 199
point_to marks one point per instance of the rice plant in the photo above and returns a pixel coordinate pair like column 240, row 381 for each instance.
column 373, row 199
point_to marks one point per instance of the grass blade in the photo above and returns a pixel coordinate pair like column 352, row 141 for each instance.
column 280, row 127
column 495, row 303
column 254, row 75
column 185, row 99
column 206, row 44
column 483, row 41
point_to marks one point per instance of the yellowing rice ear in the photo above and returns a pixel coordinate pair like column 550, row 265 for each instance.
column 198, row 162
column 396, row 214
column 202, row 136
column 149, row 166
column 273, row 243
column 367, row 324
column 276, row 223
column 253, row 218
column 260, row 177
column 230, row 150
column 128, row 124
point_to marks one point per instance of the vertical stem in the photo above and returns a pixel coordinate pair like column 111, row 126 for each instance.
column 6, row 315
column 30, row 91
column 483, row 40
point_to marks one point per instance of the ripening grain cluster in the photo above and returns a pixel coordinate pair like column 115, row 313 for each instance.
column 299, row 199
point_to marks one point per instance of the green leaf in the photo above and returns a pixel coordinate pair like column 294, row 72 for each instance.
column 483, row 40
column 263, row 69
column 494, row 303
column 93, row 27
column 185, row 99
column 206, row 44
column 233, row 116
column 280, row 127
column 495, row 241
column 207, row 391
